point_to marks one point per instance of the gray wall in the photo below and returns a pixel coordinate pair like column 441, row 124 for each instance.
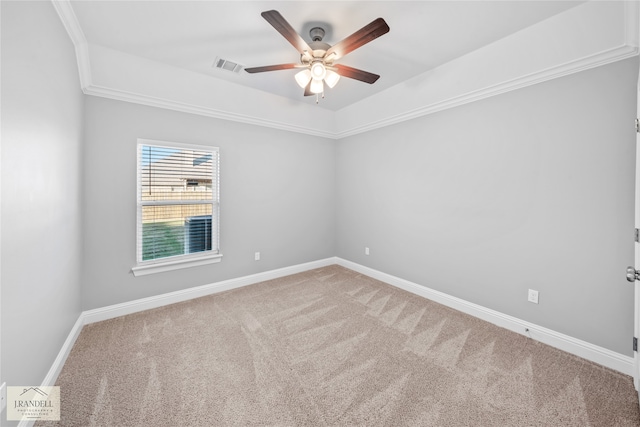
column 41, row 190
column 277, row 198
column 530, row 189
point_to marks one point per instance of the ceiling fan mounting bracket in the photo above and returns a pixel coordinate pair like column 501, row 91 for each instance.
column 316, row 34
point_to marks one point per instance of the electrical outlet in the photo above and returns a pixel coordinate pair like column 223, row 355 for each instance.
column 366, row 251
column 257, row 256
column 533, row 296
column 3, row 396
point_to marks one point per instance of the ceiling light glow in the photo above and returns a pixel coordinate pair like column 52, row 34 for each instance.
column 303, row 78
column 316, row 86
column 318, row 72
column 332, row 78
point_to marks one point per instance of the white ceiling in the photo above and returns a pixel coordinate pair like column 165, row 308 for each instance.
column 191, row 34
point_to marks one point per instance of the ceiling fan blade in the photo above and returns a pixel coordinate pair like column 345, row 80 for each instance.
column 307, row 90
column 271, row 68
column 361, row 37
column 281, row 25
column 354, row 73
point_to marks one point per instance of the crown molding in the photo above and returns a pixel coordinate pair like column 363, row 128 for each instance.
column 626, row 17
column 71, row 24
column 603, row 58
column 137, row 98
column 587, row 36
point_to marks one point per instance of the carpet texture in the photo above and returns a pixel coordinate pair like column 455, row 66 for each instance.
column 328, row 347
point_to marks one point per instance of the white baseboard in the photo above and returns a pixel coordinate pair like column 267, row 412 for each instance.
column 58, row 363
column 608, row 358
column 594, row 353
column 117, row 310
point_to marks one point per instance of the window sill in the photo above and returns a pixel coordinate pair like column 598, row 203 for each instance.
column 161, row 267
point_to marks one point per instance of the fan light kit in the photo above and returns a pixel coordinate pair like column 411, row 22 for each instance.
column 317, row 58
column 315, row 75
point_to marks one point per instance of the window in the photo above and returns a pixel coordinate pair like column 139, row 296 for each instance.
column 178, row 206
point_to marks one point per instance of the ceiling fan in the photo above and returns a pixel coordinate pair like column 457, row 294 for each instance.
column 317, row 59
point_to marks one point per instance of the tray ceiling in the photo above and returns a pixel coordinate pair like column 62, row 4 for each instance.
column 163, row 52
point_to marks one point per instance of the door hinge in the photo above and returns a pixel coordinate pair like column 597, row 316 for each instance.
column 635, row 344
column 637, row 125
column 637, row 235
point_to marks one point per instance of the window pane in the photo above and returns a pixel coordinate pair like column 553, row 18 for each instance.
column 177, row 230
column 178, row 200
column 175, row 174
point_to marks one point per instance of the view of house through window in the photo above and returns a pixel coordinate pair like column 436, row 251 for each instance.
column 177, row 200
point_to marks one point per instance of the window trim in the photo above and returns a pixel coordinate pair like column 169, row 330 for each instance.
column 181, row 261
column 174, row 264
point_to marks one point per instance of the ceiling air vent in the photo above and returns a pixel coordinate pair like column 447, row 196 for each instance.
column 224, row 64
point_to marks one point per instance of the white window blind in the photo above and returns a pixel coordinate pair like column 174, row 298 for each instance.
column 178, row 202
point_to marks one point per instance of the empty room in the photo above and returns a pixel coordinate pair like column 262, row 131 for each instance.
column 319, row 213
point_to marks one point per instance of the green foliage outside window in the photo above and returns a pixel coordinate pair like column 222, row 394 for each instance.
column 162, row 239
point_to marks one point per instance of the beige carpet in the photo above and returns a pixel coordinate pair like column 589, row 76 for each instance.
column 328, row 347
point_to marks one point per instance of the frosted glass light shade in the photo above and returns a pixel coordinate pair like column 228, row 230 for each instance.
column 331, row 78
column 318, row 71
column 316, row 86
column 303, row 78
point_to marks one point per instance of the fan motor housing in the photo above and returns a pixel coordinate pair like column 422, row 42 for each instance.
column 319, row 50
